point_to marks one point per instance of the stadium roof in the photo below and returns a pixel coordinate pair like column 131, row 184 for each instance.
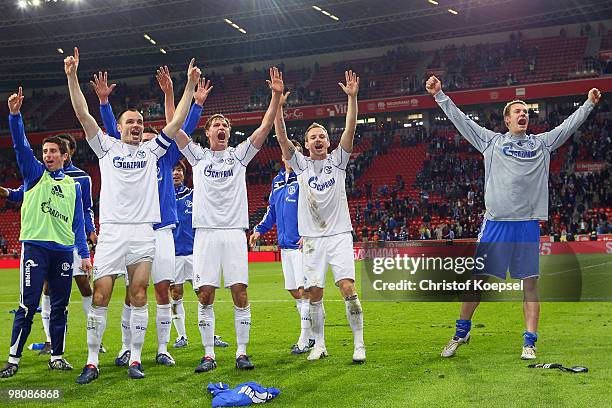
column 111, row 33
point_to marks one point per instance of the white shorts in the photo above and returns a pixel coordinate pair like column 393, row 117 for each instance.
column 163, row 264
column 293, row 271
column 76, row 264
column 183, row 270
column 335, row 250
column 216, row 251
column 122, row 245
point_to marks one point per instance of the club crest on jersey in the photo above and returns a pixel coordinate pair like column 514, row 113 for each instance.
column 140, row 154
column 327, row 169
column 65, row 266
column 188, row 203
column 229, row 161
column 120, row 163
column 291, row 190
column 312, row 182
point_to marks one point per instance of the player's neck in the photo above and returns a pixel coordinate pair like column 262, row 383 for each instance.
column 315, row 156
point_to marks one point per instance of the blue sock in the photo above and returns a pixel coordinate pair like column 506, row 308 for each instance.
column 462, row 328
column 530, row 338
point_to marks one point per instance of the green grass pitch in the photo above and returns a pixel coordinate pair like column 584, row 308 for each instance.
column 403, row 367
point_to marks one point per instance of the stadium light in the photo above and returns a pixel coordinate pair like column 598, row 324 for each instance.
column 22, row 4
column 36, row 3
column 61, row 51
column 455, row 12
column 234, row 25
column 162, row 51
column 434, row 2
column 326, row 13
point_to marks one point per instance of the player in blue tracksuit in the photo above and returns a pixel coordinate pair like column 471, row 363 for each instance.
column 51, row 227
column 164, row 263
column 81, row 277
column 283, row 211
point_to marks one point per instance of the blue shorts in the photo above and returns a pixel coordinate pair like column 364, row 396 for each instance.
column 513, row 245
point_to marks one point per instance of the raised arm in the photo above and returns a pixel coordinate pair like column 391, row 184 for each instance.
column 281, row 130
column 165, row 83
column 277, row 86
column 559, row 135
column 79, row 104
column 350, row 89
column 478, row 136
column 193, row 76
column 100, row 85
column 31, row 169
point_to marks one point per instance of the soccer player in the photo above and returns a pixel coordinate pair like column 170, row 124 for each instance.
column 162, row 271
column 129, row 206
column 324, row 221
column 81, row 277
column 516, row 198
column 51, row 227
column 283, row 211
column 220, row 217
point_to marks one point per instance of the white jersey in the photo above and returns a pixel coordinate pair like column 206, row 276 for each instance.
column 219, row 185
column 129, row 179
column 322, row 205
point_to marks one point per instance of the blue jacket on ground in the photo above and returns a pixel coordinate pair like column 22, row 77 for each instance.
column 242, row 395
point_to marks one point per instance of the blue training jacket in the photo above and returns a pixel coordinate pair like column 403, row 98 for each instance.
column 32, row 170
column 165, row 185
column 283, row 211
column 184, row 232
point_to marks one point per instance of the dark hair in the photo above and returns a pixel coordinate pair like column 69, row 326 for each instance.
column 150, row 129
column 180, row 165
column 61, row 143
column 69, row 139
column 124, row 112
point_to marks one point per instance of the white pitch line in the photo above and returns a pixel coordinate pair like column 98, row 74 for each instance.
column 578, row 269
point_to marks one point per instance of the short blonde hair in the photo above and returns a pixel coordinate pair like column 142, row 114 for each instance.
column 216, row 116
column 509, row 104
column 313, row 126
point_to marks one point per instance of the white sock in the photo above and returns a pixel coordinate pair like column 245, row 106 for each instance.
column 138, row 327
column 354, row 314
column 178, row 317
column 45, row 313
column 242, row 323
column 86, row 302
column 303, row 306
column 126, row 333
column 96, row 323
column 317, row 318
column 163, row 322
column 206, row 324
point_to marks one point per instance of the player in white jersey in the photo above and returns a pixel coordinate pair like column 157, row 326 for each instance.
column 324, row 220
column 220, row 217
column 129, row 206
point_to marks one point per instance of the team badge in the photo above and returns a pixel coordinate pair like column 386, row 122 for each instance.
column 327, row 169
column 65, row 266
column 291, row 190
column 140, row 154
column 229, row 161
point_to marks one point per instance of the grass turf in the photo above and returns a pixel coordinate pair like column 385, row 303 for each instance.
column 403, row 365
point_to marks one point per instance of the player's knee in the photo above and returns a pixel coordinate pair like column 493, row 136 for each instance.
column 239, row 294
column 295, row 293
column 347, row 287
column 316, row 294
column 138, row 297
column 206, row 295
column 176, row 291
column 83, row 284
column 100, row 298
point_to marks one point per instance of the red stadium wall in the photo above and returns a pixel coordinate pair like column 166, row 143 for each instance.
column 397, row 104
